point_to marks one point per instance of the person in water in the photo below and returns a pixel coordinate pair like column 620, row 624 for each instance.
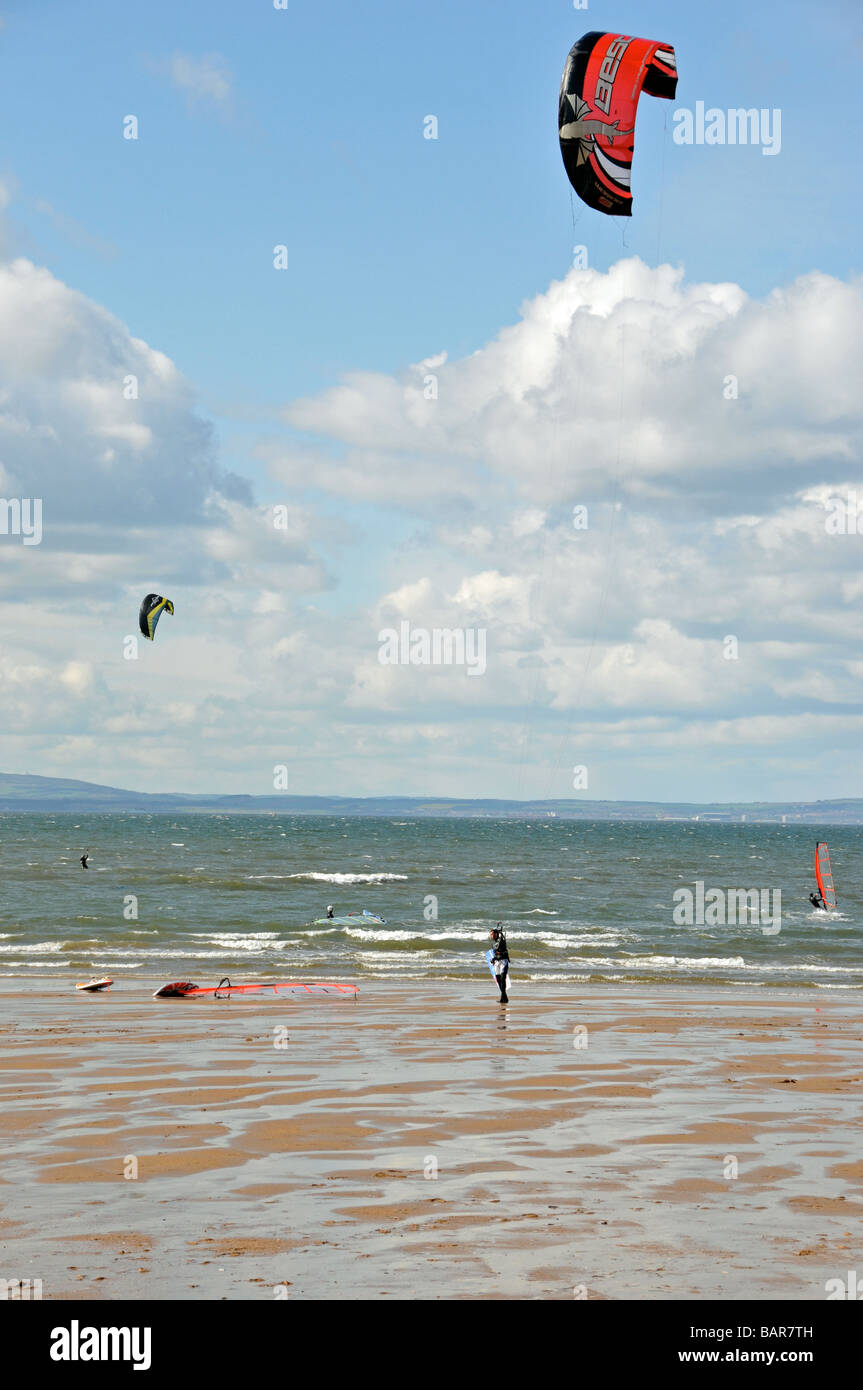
column 84, row 857
column 331, row 912
column 500, row 960
column 818, row 902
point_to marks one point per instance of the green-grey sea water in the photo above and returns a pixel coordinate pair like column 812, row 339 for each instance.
column 202, row 896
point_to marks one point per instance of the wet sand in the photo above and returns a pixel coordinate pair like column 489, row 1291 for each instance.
column 429, row 1143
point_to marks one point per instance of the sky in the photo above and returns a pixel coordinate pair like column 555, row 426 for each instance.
column 616, row 460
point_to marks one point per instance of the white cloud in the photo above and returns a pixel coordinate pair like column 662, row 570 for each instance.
column 617, row 378
column 77, row 676
column 65, row 365
column 491, row 595
column 204, row 79
column 605, row 644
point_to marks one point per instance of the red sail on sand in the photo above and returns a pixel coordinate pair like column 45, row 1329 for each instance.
column 824, row 874
column 184, row 989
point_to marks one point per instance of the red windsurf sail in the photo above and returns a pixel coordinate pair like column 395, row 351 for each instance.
column 824, row 874
column 184, row 989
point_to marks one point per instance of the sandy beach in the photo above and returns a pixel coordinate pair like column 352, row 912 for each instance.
column 429, row 1143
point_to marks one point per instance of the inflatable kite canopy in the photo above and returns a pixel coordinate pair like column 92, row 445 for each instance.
column 151, row 611
column 604, row 76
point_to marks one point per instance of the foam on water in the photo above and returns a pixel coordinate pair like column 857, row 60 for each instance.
column 604, row 889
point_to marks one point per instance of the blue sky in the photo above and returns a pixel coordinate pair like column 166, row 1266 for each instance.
column 399, row 247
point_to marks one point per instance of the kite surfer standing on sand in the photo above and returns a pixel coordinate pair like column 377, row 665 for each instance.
column 498, row 960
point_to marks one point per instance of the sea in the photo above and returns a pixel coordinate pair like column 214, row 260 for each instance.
column 198, row 897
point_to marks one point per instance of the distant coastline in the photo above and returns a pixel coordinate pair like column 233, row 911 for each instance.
column 21, row 792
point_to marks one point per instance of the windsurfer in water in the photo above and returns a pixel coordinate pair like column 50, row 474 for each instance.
column 331, row 912
column 84, row 857
column 499, row 960
column 818, row 902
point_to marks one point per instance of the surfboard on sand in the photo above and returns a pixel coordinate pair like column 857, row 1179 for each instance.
column 184, row 989
column 93, row 986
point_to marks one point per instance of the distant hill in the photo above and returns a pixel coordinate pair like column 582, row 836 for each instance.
column 23, row 792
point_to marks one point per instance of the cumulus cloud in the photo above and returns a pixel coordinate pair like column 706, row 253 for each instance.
column 103, row 430
column 703, row 436
column 629, row 491
column 669, row 391
column 98, row 424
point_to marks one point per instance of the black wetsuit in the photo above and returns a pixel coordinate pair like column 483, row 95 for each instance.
column 817, row 902
column 84, row 858
column 501, row 953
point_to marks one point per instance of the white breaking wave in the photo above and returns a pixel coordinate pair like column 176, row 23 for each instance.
column 387, row 962
column 367, row 934
column 253, row 943
column 190, row 953
column 40, row 948
column 351, row 878
column 559, row 940
column 726, row 963
column 116, row 964
column 229, row 937
column 43, row 965
column 364, row 934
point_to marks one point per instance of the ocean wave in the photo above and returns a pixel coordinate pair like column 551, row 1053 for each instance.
column 352, row 878
column 44, row 965
column 36, row 948
column 229, row 937
column 727, row 963
column 369, row 934
column 253, row 942
column 115, row 964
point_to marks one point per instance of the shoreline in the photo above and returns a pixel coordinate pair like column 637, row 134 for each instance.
column 291, row 1143
column 469, row 983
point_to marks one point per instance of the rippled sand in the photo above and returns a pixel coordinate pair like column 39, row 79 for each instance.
column 429, row 1143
